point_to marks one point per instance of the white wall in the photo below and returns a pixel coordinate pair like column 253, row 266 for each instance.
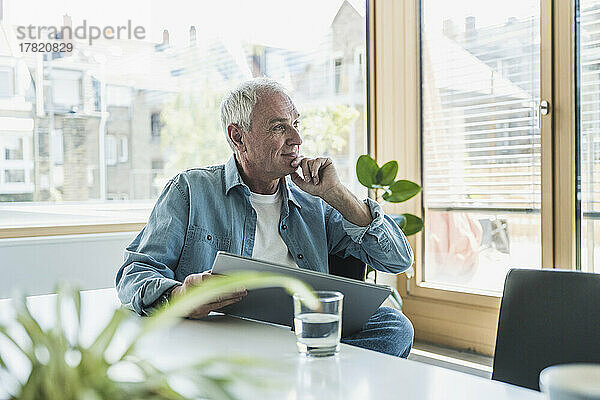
column 36, row 265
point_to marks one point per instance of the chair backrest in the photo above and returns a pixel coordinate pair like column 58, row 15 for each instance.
column 547, row 317
column 349, row 267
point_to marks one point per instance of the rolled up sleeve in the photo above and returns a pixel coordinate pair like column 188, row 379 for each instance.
column 152, row 257
column 381, row 244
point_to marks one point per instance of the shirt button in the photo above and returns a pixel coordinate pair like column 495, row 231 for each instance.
column 300, row 256
column 284, row 226
column 208, row 237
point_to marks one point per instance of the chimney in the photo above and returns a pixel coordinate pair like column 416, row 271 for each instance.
column 67, row 21
column 192, row 36
column 469, row 27
column 66, row 31
column 165, row 41
column 1, row 11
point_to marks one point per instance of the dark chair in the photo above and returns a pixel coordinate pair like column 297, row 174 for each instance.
column 349, row 267
column 547, row 317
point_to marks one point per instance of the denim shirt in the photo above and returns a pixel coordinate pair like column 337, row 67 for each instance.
column 204, row 210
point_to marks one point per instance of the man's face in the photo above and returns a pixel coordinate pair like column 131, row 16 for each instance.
column 273, row 141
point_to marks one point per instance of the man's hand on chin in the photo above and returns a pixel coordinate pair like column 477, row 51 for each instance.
column 319, row 174
column 321, row 179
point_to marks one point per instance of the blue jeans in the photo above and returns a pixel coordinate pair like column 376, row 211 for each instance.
column 387, row 331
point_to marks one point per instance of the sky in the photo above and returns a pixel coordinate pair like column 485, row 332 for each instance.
column 279, row 23
column 270, row 22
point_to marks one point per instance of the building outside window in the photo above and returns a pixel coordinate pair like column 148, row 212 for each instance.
column 176, row 84
column 6, row 82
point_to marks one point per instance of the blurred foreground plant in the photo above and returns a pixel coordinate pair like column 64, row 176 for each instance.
column 61, row 367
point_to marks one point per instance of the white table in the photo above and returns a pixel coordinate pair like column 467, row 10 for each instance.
column 353, row 374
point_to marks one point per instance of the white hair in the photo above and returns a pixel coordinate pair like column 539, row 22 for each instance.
column 237, row 106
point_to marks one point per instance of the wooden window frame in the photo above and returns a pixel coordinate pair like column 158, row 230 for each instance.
column 61, row 230
column 463, row 319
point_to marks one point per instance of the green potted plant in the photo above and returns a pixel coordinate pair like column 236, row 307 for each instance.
column 383, row 179
column 382, row 183
column 61, row 367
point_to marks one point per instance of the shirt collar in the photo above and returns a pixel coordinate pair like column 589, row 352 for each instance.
column 288, row 192
column 232, row 176
column 233, row 179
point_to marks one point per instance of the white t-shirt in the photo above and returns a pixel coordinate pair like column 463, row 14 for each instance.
column 268, row 244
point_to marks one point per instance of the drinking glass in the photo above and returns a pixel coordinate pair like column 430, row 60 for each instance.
column 318, row 331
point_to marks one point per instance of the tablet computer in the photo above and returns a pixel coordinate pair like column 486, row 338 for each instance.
column 275, row 305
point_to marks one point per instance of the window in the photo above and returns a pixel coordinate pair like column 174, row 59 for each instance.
column 359, row 67
column 13, row 149
column 177, row 88
column 14, row 176
column 480, row 142
column 123, row 149
column 155, row 124
column 111, row 150
column 588, row 100
column 337, row 74
column 6, row 82
column 66, row 88
column 96, row 89
column 454, row 79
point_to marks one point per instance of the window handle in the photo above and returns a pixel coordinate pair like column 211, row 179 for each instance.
column 544, row 107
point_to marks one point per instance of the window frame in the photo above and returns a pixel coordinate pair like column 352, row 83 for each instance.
column 461, row 318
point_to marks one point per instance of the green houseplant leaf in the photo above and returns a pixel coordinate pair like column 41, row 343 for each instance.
column 400, row 220
column 366, row 171
column 394, row 192
column 387, row 173
column 413, row 225
column 401, row 191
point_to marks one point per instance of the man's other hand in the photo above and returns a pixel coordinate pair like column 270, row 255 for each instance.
column 203, row 310
column 319, row 174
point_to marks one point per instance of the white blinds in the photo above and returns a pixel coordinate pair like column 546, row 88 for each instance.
column 481, row 141
column 589, row 105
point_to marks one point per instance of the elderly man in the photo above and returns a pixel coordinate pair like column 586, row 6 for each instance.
column 258, row 205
